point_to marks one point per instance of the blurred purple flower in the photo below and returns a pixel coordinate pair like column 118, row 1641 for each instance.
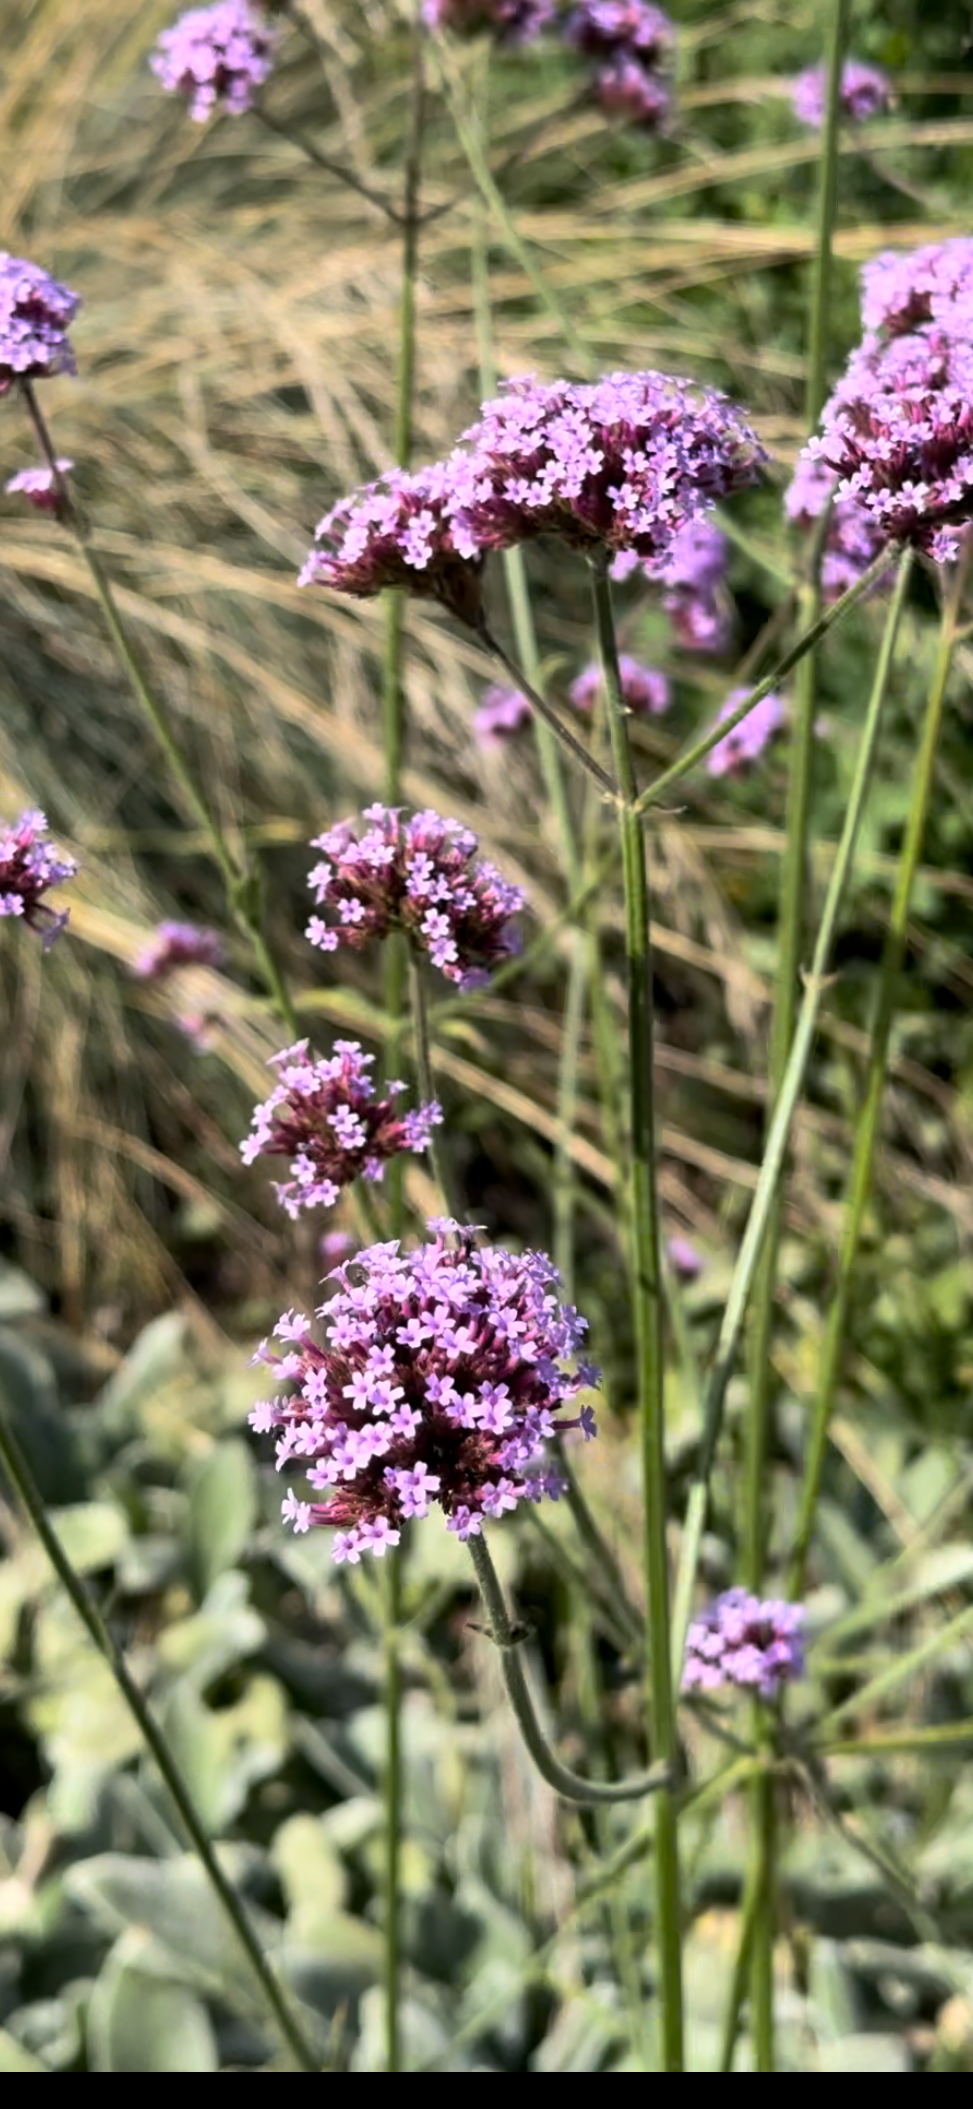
column 512, row 21
column 692, row 574
column 34, row 314
column 440, row 1382
column 625, row 89
column 903, row 291
column 419, row 876
column 898, row 433
column 29, row 866
column 398, row 532
column 684, row 1258
column 743, row 746
column 334, row 1246
column 178, row 945
column 743, row 1641
column 502, row 712
column 646, row 692
column 633, row 44
column 212, row 55
column 39, row 487
column 853, row 541
column 325, row 1117
column 865, row 92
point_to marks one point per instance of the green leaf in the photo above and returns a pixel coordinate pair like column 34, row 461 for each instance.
column 222, row 1512
column 172, row 1900
column 14, row 2058
column 28, row 1395
column 138, row 2023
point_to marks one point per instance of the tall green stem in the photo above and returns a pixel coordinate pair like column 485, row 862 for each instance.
column 393, row 740
column 242, row 887
column 648, row 1317
column 867, row 1123
column 19, row 1473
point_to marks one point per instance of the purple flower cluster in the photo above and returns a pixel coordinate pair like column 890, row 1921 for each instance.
column 898, row 433
column 737, row 753
column 503, row 712
column 34, row 315
column 853, row 541
column 419, row 876
column 622, row 464
column 325, row 1117
column 39, row 487
column 439, row 1382
column 178, row 945
column 743, row 1641
column 901, row 293
column 645, row 691
column 212, row 55
column 632, row 44
column 29, row 866
column 510, row 21
column 692, row 573
column 864, row 92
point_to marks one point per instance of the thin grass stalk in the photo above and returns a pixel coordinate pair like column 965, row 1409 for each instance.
column 426, row 1085
column 273, row 1998
column 647, row 1314
column 867, row 1127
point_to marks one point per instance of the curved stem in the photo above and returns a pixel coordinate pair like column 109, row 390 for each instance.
column 647, row 1313
column 569, row 1785
column 825, row 622
column 792, row 1081
column 18, row 1471
column 546, row 711
column 241, row 885
column 867, row 1124
column 344, row 175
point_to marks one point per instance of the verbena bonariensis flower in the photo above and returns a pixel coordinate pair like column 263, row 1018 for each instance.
column 901, row 291
column 743, row 746
column 692, row 574
column 440, row 1381
column 512, row 21
column 34, row 315
column 898, row 433
column 684, row 1258
column 39, row 487
column 213, row 55
column 646, row 692
column 29, row 866
column 744, row 1641
column 865, row 92
column 603, row 28
column 502, row 712
column 398, row 532
column 853, row 540
column 623, row 88
column 623, row 463
column 419, row 876
column 178, row 945
column 325, row 1117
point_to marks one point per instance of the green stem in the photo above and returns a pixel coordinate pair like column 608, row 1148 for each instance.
column 425, row 1080
column 572, row 1024
column 546, row 711
column 647, row 1312
column 569, row 1785
column 787, row 1098
column 741, row 1967
column 825, row 622
column 344, row 175
column 18, row 1471
column 817, row 344
column 240, row 885
column 867, row 1123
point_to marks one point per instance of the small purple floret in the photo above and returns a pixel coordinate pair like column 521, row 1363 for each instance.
column 325, row 1117
column 646, row 692
column 178, row 945
column 865, row 92
column 34, row 315
column 29, row 866
column 440, row 1382
column 684, row 1258
column 502, row 713
column 741, row 1640
column 419, row 876
column 39, row 487
column 216, row 55
column 743, row 746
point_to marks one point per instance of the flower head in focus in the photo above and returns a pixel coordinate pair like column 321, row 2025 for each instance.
column 397, row 532
column 39, row 487
column 737, row 753
column 178, row 945
column 743, row 1641
column 419, row 876
column 645, row 691
column 865, row 92
column 502, row 712
column 325, row 1117
column 440, row 1381
column 34, row 315
column 854, row 540
column 29, row 867
column 903, row 290
column 898, row 434
column 216, row 55
column 624, row 463
column 511, row 21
